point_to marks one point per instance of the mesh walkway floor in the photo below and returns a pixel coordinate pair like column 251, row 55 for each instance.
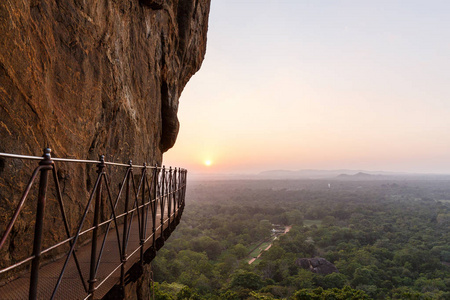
column 71, row 285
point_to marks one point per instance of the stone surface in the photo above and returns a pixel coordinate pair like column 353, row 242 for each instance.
column 88, row 78
column 317, row 265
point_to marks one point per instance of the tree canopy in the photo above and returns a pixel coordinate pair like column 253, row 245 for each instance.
column 387, row 239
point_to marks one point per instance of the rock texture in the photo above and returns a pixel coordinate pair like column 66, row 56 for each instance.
column 317, row 265
column 88, row 78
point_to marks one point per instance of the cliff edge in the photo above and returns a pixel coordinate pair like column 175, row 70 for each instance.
column 87, row 78
column 92, row 77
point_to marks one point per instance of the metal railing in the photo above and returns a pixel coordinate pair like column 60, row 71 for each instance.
column 124, row 228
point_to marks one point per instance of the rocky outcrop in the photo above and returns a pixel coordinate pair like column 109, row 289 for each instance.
column 90, row 77
column 317, row 265
column 87, row 78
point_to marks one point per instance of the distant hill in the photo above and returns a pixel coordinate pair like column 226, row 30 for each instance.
column 341, row 174
column 362, row 176
column 322, row 174
column 347, row 174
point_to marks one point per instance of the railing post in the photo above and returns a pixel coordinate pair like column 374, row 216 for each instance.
column 92, row 273
column 154, row 205
column 125, row 225
column 175, row 194
column 169, row 196
column 163, row 192
column 184, row 186
column 179, row 189
column 143, row 220
column 47, row 164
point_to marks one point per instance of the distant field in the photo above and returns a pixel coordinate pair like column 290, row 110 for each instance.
column 261, row 248
column 252, row 247
column 310, row 223
column 256, row 262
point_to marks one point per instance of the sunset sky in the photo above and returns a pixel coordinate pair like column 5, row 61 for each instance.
column 320, row 85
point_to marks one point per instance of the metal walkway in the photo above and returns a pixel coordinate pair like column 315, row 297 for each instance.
column 123, row 243
column 71, row 286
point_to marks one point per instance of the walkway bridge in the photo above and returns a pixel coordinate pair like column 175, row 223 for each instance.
column 83, row 242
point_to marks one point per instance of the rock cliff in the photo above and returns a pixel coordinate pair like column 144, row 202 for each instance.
column 87, row 78
column 91, row 77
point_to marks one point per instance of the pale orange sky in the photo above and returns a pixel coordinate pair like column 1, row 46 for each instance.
column 320, row 85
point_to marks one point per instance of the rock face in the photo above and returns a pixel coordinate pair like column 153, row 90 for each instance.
column 87, row 78
column 94, row 77
column 317, row 265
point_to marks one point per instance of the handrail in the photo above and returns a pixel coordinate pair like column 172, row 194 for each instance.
column 153, row 202
column 9, row 155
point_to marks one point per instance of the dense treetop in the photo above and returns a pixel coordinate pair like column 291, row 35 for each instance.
column 387, row 239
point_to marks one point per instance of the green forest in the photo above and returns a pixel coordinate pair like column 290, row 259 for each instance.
column 387, row 239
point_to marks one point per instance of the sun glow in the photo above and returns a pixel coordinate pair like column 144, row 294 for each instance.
column 207, row 162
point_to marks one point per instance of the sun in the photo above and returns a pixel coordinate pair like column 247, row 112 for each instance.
column 208, row 162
